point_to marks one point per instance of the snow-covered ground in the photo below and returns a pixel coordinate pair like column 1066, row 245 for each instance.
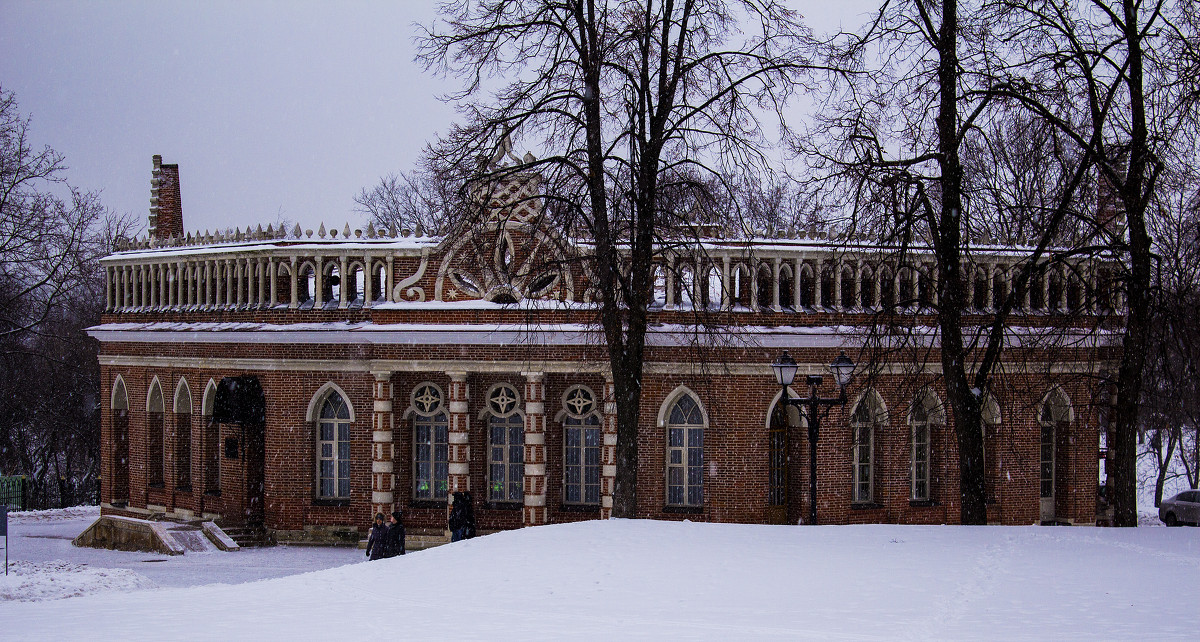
column 635, row 578
column 50, row 567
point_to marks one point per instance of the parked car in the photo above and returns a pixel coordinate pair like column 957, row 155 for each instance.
column 1183, row 508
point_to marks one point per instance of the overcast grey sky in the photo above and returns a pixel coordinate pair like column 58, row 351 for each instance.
column 271, row 109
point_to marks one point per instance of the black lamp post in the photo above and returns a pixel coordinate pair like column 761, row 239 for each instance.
column 814, row 408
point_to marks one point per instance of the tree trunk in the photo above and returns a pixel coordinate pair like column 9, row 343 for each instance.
column 1164, row 463
column 1138, row 301
column 951, row 295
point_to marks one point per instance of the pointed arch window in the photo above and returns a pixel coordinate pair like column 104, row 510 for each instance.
column 685, row 453
column 212, row 441
column 119, row 484
column 862, row 427
column 183, row 437
column 333, row 449
column 506, row 445
column 926, row 413
column 581, row 447
column 154, row 436
column 431, row 450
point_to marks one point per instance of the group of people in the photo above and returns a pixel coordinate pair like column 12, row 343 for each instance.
column 387, row 539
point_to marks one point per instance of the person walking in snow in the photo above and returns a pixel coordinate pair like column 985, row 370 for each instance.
column 375, row 540
column 462, row 517
column 393, row 539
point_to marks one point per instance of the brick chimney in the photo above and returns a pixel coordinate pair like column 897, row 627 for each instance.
column 166, row 209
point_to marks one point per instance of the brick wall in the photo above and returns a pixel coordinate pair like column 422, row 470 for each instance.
column 735, row 451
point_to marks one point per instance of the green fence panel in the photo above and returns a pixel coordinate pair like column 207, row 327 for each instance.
column 12, row 492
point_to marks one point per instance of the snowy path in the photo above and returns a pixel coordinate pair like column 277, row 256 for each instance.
column 45, row 536
column 644, row 579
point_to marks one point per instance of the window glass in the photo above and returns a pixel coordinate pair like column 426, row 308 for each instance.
column 581, row 459
column 431, row 467
column 333, row 449
column 685, row 454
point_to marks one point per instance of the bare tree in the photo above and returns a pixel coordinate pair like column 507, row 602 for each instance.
column 1119, row 80
column 1170, row 412
column 620, row 98
column 916, row 150
column 421, row 198
column 43, row 226
column 51, row 290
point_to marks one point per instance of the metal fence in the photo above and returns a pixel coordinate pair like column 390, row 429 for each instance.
column 14, row 492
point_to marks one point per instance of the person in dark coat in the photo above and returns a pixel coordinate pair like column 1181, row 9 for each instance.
column 462, row 517
column 375, row 540
column 393, row 539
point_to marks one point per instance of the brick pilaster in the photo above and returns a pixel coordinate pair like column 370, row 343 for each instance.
column 383, row 478
column 535, row 449
column 459, row 438
column 608, row 451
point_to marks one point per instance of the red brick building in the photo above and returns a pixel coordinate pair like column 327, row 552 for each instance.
column 391, row 367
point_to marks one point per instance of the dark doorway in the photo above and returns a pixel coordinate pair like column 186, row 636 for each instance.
column 240, row 404
column 777, row 478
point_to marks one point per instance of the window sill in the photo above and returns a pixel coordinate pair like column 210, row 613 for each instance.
column 683, row 510
column 158, row 486
column 922, row 503
column 183, row 489
column 212, row 493
column 579, row 508
column 428, row 503
column 865, row 506
column 503, row 505
column 331, row 502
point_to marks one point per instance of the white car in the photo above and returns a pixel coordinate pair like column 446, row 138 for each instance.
column 1183, row 508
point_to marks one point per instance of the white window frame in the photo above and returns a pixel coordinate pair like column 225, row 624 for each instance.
column 506, row 457
column 678, row 457
column 580, row 415
column 863, row 455
column 920, row 441
column 334, row 449
column 428, row 405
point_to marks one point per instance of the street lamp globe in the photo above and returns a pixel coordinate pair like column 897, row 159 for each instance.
column 785, row 369
column 842, row 369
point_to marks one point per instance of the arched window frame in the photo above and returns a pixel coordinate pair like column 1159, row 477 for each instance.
column 119, row 407
column 777, row 445
column 1055, row 408
column 183, row 435
column 787, row 287
column 212, row 441
column 582, row 445
column 925, row 413
column 764, row 285
column 868, row 413
column 684, row 449
column 332, row 424
column 714, row 288
column 355, row 283
column 866, row 287
column 807, row 287
column 331, row 284
column 431, row 448
column 155, row 442
column 306, row 285
column 505, row 443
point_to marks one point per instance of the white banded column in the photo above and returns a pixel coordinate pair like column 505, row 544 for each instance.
column 383, row 478
column 608, row 449
column 459, row 457
column 535, row 449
